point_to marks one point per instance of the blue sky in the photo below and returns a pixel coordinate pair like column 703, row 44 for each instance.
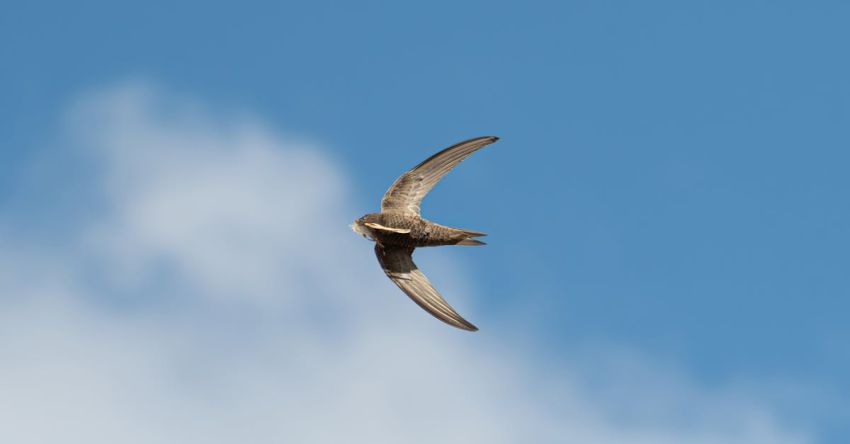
column 671, row 179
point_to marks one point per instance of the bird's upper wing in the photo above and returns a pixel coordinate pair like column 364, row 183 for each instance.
column 407, row 191
column 397, row 263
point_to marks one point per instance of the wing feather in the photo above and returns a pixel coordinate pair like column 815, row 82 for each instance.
column 406, row 193
column 397, row 263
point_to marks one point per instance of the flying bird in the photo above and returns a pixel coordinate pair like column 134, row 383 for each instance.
column 399, row 229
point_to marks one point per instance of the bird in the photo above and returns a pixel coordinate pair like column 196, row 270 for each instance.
column 398, row 229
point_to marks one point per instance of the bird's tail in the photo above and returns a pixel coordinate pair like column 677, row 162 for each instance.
column 468, row 238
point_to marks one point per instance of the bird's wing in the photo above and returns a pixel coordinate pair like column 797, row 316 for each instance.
column 407, row 191
column 397, row 263
column 375, row 226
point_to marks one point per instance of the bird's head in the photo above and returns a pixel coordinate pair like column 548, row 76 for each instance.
column 359, row 227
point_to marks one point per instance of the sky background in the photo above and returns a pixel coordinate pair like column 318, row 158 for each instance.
column 667, row 211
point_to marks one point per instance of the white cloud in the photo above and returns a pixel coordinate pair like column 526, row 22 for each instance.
column 220, row 297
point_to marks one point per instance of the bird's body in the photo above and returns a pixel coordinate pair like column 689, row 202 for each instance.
column 399, row 228
column 413, row 231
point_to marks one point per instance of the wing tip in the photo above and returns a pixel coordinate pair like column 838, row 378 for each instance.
column 461, row 323
column 486, row 139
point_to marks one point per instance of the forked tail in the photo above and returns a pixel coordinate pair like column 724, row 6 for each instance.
column 468, row 238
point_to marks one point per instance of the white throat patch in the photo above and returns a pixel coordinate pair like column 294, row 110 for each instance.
column 362, row 230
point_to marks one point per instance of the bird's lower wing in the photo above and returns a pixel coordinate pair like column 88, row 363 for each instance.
column 397, row 263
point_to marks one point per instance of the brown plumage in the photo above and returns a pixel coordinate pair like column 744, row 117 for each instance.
column 398, row 229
